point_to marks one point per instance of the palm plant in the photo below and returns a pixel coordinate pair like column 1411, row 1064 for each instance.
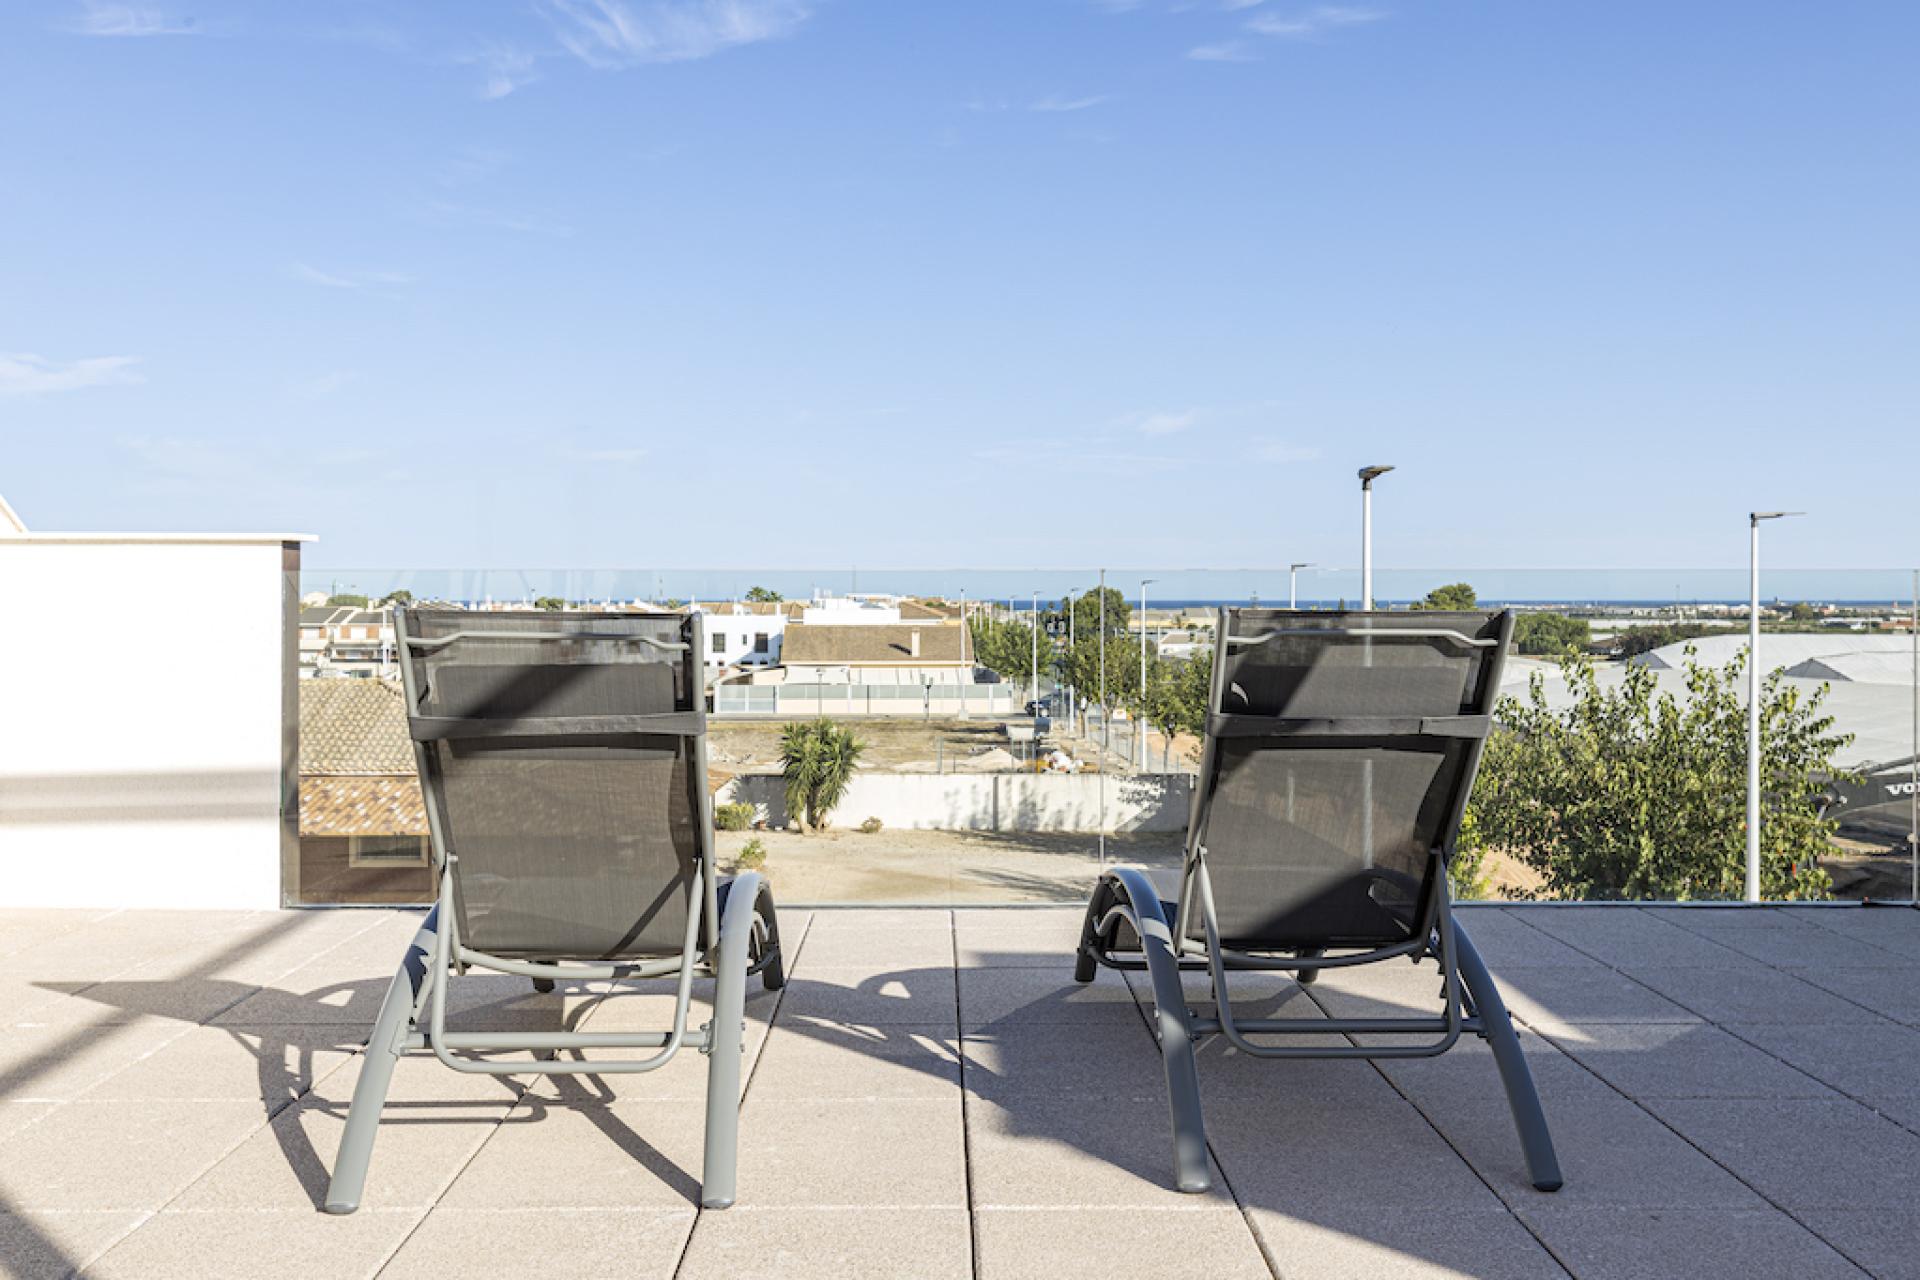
column 818, row 758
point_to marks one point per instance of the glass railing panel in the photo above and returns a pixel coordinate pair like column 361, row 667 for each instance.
column 973, row 797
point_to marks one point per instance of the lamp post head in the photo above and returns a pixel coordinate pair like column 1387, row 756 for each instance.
column 1757, row 516
column 1304, row 564
column 1369, row 474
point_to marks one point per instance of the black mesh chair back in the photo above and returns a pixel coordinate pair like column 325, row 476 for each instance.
column 564, row 770
column 1338, row 756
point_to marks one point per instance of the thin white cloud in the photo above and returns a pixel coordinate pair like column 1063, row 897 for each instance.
column 622, row 33
column 1279, row 451
column 30, row 375
column 507, row 68
column 619, row 457
column 349, row 279
column 97, row 19
column 1311, row 22
column 1166, row 424
column 1057, row 102
column 1227, row 51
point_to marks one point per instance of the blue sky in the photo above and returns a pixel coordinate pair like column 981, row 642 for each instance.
column 1053, row 283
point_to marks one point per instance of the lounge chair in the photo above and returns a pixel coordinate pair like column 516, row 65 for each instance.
column 1339, row 752
column 563, row 763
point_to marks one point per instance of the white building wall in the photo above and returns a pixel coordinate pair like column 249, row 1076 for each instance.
column 1007, row 802
column 739, row 634
column 130, row 782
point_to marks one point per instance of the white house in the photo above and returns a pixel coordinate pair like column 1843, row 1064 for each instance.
column 743, row 636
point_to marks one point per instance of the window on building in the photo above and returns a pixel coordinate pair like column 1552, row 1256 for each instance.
column 387, row 851
column 760, row 644
column 719, row 642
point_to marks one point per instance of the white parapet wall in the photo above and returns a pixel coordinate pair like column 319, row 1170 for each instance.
column 149, row 722
column 1005, row 802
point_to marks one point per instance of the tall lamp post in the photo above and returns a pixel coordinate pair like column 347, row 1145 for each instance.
column 1036, row 655
column 1753, row 696
column 1293, row 583
column 1367, row 476
column 1139, row 722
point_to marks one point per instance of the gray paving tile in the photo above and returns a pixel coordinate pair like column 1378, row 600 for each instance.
column 1687, row 1061
column 1359, row 1242
column 272, row 1064
column 1896, row 929
column 1891, row 993
column 1363, row 1145
column 1885, row 1242
column 1254, row 995
column 55, row 1243
column 1551, row 999
column 434, row 1121
column 871, row 995
column 591, row 1244
column 812, row 1059
column 1097, row 1244
column 1871, row 1062
column 1612, row 1152
column 119, row 1155
column 889, row 1153
column 1507, row 939
column 16, row 1115
column 64, row 1061
column 1791, row 944
column 1752, row 994
column 245, row 1246
column 1658, row 1244
column 1626, row 937
column 1803, row 1153
column 1029, row 1150
column 626, row 1154
column 746, row 1243
column 838, row 946
column 996, row 999
column 1108, row 1060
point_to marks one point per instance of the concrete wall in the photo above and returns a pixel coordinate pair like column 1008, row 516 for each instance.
column 988, row 801
column 148, row 719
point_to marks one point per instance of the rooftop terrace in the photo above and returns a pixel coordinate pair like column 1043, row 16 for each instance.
column 1734, row 1092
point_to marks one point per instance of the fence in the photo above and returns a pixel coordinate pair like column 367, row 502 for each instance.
column 1003, row 802
column 867, row 700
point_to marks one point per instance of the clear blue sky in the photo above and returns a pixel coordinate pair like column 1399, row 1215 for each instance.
column 789, row 283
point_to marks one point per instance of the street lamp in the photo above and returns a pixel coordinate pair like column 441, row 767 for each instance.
column 1367, row 476
column 1141, row 712
column 1293, row 583
column 1036, row 655
column 1753, row 696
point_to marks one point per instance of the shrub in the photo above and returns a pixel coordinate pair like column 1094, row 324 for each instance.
column 870, row 827
column 753, row 855
column 1632, row 793
column 1550, row 633
column 818, row 758
column 733, row 817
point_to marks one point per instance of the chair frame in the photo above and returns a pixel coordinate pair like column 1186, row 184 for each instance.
column 1161, row 945
column 735, row 920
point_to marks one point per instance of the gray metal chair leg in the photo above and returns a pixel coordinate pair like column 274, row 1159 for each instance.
column 384, row 1048
column 718, row 1172
column 1190, row 1169
column 1543, row 1166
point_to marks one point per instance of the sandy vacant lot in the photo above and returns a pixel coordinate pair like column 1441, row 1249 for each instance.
column 942, row 866
column 753, row 746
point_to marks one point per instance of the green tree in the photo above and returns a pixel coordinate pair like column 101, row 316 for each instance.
column 1803, row 612
column 1007, row 647
column 1635, row 641
column 552, row 604
column 1455, row 595
column 1081, row 666
column 763, row 595
column 1553, row 633
column 1632, row 793
column 347, row 600
column 401, row 597
column 817, row 758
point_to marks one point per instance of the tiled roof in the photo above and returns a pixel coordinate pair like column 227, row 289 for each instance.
column 353, row 728
column 940, row 642
column 361, row 807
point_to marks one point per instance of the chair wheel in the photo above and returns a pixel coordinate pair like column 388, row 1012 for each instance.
column 543, row 985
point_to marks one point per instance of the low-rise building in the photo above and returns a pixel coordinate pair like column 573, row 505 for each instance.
column 363, row 825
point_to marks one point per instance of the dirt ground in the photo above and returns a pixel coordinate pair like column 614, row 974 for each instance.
column 942, row 866
column 753, row 746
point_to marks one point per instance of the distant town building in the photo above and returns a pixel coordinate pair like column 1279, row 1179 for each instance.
column 342, row 640
column 363, row 825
